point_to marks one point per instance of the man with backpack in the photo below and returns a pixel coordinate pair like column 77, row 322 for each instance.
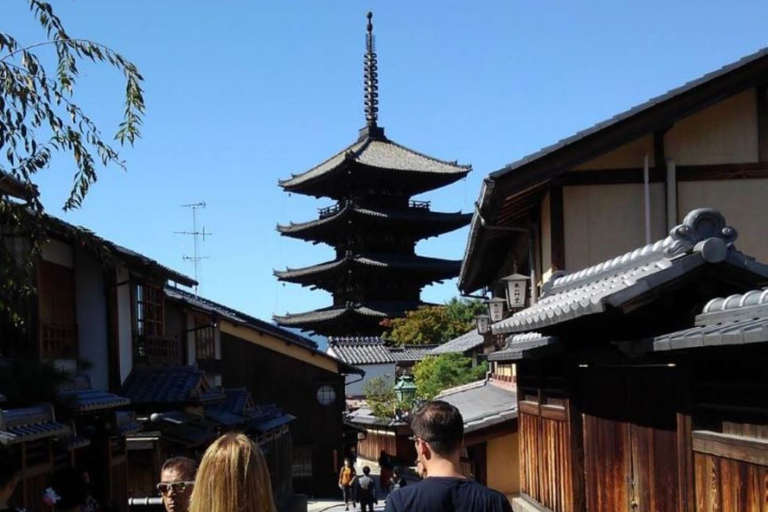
column 366, row 491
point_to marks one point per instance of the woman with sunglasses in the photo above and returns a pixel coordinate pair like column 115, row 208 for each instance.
column 233, row 477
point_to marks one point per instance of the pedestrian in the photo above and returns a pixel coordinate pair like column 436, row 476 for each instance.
column 438, row 431
column 177, row 479
column 66, row 491
column 346, row 480
column 397, row 481
column 233, row 477
column 386, row 466
column 366, row 491
column 9, row 477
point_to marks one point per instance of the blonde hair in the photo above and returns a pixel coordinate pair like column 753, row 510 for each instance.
column 233, row 477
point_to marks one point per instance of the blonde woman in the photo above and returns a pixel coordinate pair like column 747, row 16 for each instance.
column 233, row 477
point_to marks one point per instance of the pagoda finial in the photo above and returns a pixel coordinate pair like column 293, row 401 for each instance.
column 371, row 77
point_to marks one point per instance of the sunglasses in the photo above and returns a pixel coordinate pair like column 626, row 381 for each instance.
column 178, row 487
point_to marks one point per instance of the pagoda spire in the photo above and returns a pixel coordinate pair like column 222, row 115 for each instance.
column 371, row 76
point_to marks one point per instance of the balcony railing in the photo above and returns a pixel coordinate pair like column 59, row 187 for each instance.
column 424, row 205
column 158, row 350
column 330, row 210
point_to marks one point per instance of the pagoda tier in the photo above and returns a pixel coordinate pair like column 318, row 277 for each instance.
column 339, row 224
column 375, row 165
column 363, row 319
column 378, row 271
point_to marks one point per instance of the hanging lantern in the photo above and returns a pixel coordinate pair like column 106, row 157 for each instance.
column 496, row 309
column 516, row 289
column 483, row 323
column 405, row 389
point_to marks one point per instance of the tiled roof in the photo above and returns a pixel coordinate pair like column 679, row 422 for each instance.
column 735, row 320
column 411, row 353
column 381, row 154
column 238, row 401
column 359, row 351
column 209, row 306
column 482, row 404
column 78, row 395
column 364, row 416
column 173, row 385
column 702, row 238
column 411, row 215
column 225, row 418
column 126, row 423
column 376, row 310
column 517, row 344
column 632, row 112
column 463, row 343
column 443, row 269
column 29, row 424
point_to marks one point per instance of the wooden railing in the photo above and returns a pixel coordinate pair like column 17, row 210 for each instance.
column 330, row 210
column 158, row 350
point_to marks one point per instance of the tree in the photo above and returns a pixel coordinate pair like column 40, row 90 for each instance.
column 380, row 397
column 434, row 324
column 436, row 373
column 39, row 118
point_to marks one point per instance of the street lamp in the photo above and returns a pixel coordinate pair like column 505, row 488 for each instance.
column 483, row 323
column 515, row 289
column 496, row 309
column 405, row 389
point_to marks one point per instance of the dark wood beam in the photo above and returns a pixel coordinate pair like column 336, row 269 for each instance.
column 762, row 122
column 713, row 172
column 557, row 227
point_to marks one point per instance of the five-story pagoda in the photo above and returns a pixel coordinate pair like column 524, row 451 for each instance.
column 374, row 226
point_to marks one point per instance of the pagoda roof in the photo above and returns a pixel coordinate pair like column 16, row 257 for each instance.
column 432, row 269
column 376, row 153
column 420, row 222
column 347, row 320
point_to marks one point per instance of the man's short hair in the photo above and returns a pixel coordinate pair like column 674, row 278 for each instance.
column 366, row 470
column 183, row 465
column 9, row 468
column 440, row 425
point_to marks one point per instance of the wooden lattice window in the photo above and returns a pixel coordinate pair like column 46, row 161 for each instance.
column 56, row 301
column 302, row 462
column 149, row 310
column 205, row 342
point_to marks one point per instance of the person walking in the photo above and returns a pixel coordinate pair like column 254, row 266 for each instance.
column 346, row 480
column 177, row 479
column 385, row 468
column 438, row 431
column 66, row 491
column 233, row 477
column 397, row 481
column 9, row 477
column 366, row 491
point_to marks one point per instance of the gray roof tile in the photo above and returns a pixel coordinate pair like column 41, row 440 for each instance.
column 411, row 353
column 462, row 344
column 517, row 344
column 482, row 404
column 78, row 395
column 360, row 351
column 173, row 385
column 702, row 238
column 29, row 424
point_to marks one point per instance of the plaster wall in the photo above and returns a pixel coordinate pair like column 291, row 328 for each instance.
column 124, row 322
column 723, row 133
column 91, row 311
column 628, row 156
column 59, row 253
column 605, row 221
column 742, row 202
column 503, row 464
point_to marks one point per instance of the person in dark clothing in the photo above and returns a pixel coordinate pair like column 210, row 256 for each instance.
column 397, row 481
column 438, row 431
column 366, row 491
column 9, row 477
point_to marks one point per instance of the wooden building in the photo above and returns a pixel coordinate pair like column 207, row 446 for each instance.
column 373, row 227
column 275, row 366
column 629, row 401
column 628, row 180
column 392, row 436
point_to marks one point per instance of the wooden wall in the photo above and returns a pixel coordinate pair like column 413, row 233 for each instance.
column 397, row 445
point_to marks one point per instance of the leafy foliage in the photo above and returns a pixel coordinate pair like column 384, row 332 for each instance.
column 437, row 373
column 39, row 118
column 26, row 382
column 435, row 324
column 380, row 397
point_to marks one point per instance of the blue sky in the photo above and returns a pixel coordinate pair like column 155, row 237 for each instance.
column 242, row 93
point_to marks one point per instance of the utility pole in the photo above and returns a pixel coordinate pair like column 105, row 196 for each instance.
column 196, row 237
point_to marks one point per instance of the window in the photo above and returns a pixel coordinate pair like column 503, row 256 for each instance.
column 326, row 395
column 149, row 310
column 301, row 465
column 205, row 342
column 56, row 302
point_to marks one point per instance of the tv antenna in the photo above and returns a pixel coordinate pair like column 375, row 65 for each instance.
column 197, row 236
